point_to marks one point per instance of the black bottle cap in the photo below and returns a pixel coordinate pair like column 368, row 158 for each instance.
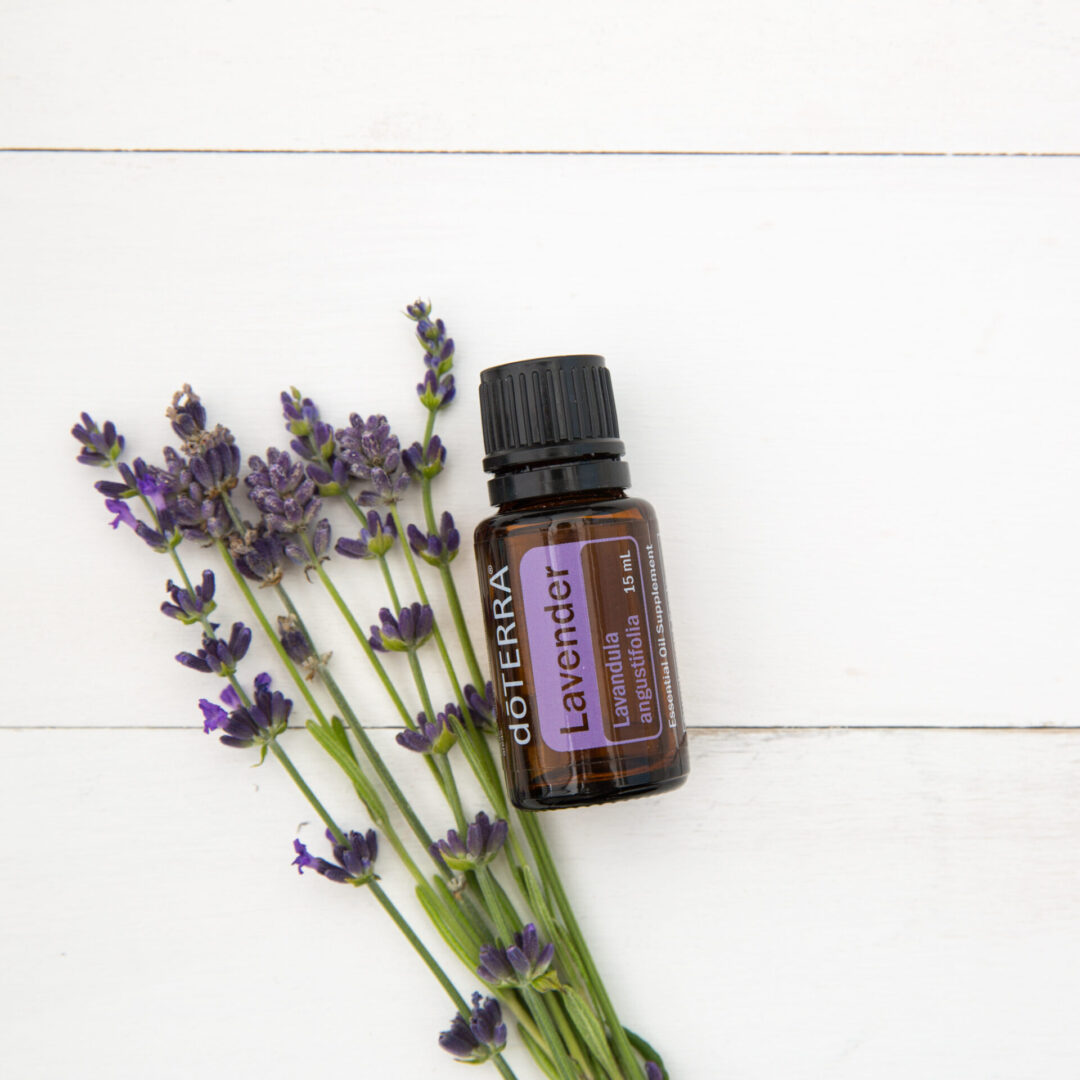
column 550, row 428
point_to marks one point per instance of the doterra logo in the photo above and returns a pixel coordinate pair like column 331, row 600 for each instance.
column 509, row 654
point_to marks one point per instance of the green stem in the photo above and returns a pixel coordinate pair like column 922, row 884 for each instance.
column 421, row 948
column 450, row 589
column 546, row 865
column 361, row 637
column 279, row 752
column 271, row 633
column 384, row 566
column 538, row 1007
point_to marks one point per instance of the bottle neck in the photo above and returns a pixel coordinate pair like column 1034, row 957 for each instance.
column 557, row 479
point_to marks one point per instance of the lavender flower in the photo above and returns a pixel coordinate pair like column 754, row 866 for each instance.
column 524, row 963
column 100, row 446
column 298, row 647
column 314, row 442
column 435, row 392
column 432, row 337
column 481, row 1037
column 437, row 388
column 261, row 558
column 373, row 455
column 356, row 858
column 428, row 737
column 376, row 539
column 439, row 548
column 481, row 844
column 412, row 627
column 481, row 706
column 123, row 513
column 425, row 461
column 331, row 478
column 218, row 655
column 257, row 724
column 283, row 493
column 301, row 414
column 190, row 607
column 187, row 414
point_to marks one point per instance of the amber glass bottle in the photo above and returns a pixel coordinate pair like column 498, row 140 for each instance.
column 572, row 583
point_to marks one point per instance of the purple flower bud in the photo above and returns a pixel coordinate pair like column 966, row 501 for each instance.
column 219, row 655
column 425, row 461
column 438, row 549
column 412, row 627
column 355, row 857
column 188, row 607
column 481, row 706
column 475, row 1040
column 653, row 1071
column 521, row 964
column 100, row 446
column 428, row 737
column 481, row 844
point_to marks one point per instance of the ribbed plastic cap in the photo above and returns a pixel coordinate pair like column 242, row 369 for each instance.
column 555, row 408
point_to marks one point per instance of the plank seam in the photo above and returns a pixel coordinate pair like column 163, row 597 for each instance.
column 360, row 151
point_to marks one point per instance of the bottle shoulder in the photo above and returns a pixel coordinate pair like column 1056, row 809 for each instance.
column 522, row 519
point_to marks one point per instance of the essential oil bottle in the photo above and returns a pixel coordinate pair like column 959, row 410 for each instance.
column 572, row 583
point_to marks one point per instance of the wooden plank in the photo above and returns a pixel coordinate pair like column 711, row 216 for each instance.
column 986, row 76
column 849, row 386
column 811, row 904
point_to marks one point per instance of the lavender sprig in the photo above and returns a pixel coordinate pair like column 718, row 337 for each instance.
column 524, row 963
column 481, row 843
column 355, row 858
column 478, row 1039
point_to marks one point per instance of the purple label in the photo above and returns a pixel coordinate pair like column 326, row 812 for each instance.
column 566, row 611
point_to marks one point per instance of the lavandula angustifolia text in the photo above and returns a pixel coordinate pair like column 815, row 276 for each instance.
column 489, row 885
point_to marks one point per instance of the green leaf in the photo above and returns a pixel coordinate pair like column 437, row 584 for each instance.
column 646, row 1051
column 590, row 1029
column 344, row 757
column 447, row 931
column 538, row 1053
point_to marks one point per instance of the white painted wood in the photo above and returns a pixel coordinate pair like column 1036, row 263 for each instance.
column 843, row 905
column 768, row 75
column 849, row 386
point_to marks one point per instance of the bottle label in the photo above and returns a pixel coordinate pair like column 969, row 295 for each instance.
column 596, row 629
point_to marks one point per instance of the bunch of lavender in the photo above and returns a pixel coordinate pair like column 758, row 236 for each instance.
column 488, row 884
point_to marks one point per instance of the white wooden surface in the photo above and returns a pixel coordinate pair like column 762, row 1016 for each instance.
column 849, row 385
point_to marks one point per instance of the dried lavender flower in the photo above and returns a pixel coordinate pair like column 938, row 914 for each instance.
column 525, row 963
column 298, row 647
column 356, row 858
column 478, row 1039
column 481, row 844
column 219, row 655
column 412, row 627
column 375, row 540
column 262, row 557
column 283, row 493
column 373, row 455
column 438, row 548
column 190, row 607
column 100, row 446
